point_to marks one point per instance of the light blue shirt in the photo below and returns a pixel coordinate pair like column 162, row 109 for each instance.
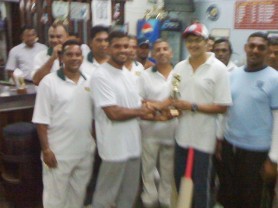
column 249, row 120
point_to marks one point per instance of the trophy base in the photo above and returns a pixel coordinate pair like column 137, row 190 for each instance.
column 21, row 91
column 174, row 112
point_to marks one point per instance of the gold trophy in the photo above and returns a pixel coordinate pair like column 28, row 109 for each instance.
column 175, row 93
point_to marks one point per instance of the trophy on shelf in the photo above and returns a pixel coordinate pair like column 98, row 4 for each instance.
column 19, row 81
column 175, row 93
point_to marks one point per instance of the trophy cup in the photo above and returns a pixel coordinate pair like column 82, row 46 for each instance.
column 19, row 81
column 175, row 93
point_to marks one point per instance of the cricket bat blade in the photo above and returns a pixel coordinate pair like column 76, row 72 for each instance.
column 185, row 193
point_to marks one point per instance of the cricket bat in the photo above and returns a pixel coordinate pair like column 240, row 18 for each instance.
column 186, row 185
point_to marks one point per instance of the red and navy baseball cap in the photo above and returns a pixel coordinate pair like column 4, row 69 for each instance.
column 197, row 29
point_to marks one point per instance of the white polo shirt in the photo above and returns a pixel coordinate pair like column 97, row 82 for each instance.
column 207, row 85
column 89, row 65
column 154, row 86
column 136, row 69
column 22, row 57
column 66, row 108
column 41, row 58
column 116, row 140
column 231, row 66
column 85, row 49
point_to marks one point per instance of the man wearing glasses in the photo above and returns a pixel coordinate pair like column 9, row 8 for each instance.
column 204, row 93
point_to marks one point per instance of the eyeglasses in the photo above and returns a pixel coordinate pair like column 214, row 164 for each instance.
column 194, row 40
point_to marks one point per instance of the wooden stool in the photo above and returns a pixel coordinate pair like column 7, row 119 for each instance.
column 22, row 172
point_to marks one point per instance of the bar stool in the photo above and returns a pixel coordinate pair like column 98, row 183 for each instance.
column 21, row 171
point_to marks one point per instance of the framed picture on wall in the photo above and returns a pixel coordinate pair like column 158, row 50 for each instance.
column 118, row 12
column 101, row 10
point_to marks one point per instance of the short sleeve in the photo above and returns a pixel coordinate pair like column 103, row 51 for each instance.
column 274, row 94
column 44, row 99
column 142, row 86
column 222, row 88
column 102, row 92
column 11, row 63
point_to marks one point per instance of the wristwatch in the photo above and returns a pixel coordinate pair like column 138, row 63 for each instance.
column 194, row 107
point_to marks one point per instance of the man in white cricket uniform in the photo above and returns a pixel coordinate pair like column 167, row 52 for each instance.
column 158, row 134
column 98, row 53
column 48, row 60
column 117, row 108
column 131, row 65
column 63, row 114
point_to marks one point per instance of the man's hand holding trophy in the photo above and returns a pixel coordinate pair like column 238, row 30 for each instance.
column 175, row 94
column 165, row 110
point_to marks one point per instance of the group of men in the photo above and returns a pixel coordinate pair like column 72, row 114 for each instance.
column 139, row 118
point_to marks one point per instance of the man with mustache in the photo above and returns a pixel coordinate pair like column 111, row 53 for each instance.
column 98, row 44
column 158, row 133
column 48, row 60
column 65, row 131
column 251, row 130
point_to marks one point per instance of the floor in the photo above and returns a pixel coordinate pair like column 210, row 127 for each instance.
column 5, row 204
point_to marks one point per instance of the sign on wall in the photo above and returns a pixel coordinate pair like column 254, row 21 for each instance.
column 101, row 12
column 256, row 14
column 79, row 11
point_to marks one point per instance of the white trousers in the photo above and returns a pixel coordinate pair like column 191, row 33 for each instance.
column 65, row 186
column 154, row 152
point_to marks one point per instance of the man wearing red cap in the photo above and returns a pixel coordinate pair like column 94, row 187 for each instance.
column 204, row 93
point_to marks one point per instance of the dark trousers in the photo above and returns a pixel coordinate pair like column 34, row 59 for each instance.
column 240, row 177
column 201, row 175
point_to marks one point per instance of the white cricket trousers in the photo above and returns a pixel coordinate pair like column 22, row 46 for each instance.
column 65, row 186
column 152, row 154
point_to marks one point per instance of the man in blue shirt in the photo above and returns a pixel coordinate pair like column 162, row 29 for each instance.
column 251, row 128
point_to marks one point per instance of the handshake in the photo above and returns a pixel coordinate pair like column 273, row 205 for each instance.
column 159, row 111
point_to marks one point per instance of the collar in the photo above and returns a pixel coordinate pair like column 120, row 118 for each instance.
column 50, row 51
column 209, row 60
column 61, row 75
column 136, row 63
column 259, row 69
column 90, row 57
column 154, row 69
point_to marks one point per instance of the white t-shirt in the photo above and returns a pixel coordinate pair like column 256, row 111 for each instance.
column 116, row 140
column 209, row 84
column 22, row 57
column 66, row 108
column 154, row 86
